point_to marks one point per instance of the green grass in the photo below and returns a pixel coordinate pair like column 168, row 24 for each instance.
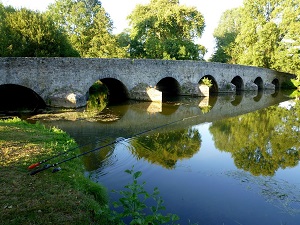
column 66, row 197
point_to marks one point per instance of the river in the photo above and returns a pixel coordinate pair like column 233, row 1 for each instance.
column 229, row 159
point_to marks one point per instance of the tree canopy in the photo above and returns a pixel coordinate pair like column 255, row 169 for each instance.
column 27, row 33
column 267, row 36
column 88, row 26
column 164, row 29
column 225, row 34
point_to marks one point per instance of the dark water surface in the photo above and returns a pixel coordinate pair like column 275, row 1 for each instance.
column 224, row 160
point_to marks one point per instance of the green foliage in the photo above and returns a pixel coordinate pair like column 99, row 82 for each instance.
column 163, row 29
column 296, row 82
column 88, row 26
column 205, row 109
column 45, row 196
column 225, row 34
column 27, row 33
column 133, row 203
column 206, row 81
column 167, row 148
column 268, row 36
column 263, row 141
column 98, row 97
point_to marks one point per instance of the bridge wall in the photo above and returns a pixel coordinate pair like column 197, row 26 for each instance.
column 64, row 82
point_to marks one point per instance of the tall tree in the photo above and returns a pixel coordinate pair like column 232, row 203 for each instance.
column 257, row 40
column 225, row 34
column 288, row 50
column 164, row 29
column 269, row 35
column 88, row 26
column 32, row 34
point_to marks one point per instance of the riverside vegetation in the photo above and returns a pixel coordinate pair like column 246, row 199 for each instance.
column 66, row 197
column 62, row 198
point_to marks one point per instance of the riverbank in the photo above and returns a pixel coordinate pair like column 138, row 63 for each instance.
column 66, row 197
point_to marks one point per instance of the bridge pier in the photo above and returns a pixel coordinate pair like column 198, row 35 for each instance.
column 145, row 93
column 226, row 87
column 270, row 86
column 67, row 99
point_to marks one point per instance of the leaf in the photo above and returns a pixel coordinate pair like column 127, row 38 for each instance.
column 137, row 174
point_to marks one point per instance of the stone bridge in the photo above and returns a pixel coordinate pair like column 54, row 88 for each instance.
column 65, row 82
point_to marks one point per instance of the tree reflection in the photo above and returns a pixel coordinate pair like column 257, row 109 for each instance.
column 166, row 149
column 98, row 97
column 263, row 141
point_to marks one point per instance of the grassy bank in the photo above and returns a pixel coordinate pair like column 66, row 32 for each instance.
column 66, row 197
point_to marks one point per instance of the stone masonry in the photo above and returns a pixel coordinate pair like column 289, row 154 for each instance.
column 64, row 82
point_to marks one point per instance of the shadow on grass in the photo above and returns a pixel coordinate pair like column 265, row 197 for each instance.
column 66, row 197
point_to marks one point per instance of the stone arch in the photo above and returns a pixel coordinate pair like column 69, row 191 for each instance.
column 239, row 83
column 117, row 91
column 169, row 87
column 259, row 82
column 214, row 88
column 276, row 83
column 14, row 97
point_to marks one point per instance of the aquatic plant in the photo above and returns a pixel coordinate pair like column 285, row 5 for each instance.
column 133, row 202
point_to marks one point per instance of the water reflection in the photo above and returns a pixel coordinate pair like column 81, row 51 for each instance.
column 261, row 142
column 206, row 165
column 165, row 149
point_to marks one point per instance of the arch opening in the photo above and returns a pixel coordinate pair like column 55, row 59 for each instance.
column 259, row 82
column 239, row 84
column 16, row 98
column 169, row 87
column 276, row 83
column 214, row 88
column 117, row 92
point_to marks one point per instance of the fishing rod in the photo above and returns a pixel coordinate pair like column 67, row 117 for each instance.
column 34, row 165
column 56, row 169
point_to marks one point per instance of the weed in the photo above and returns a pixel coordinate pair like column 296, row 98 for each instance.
column 133, row 202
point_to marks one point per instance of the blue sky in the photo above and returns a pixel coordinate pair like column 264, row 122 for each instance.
column 120, row 9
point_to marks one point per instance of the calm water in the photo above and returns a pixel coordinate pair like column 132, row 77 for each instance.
column 224, row 160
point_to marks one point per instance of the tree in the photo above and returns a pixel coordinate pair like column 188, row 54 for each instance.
column 88, row 26
column 269, row 35
column 163, row 29
column 32, row 34
column 288, row 51
column 225, row 34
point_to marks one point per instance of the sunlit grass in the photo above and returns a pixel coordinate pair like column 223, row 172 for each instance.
column 66, row 197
